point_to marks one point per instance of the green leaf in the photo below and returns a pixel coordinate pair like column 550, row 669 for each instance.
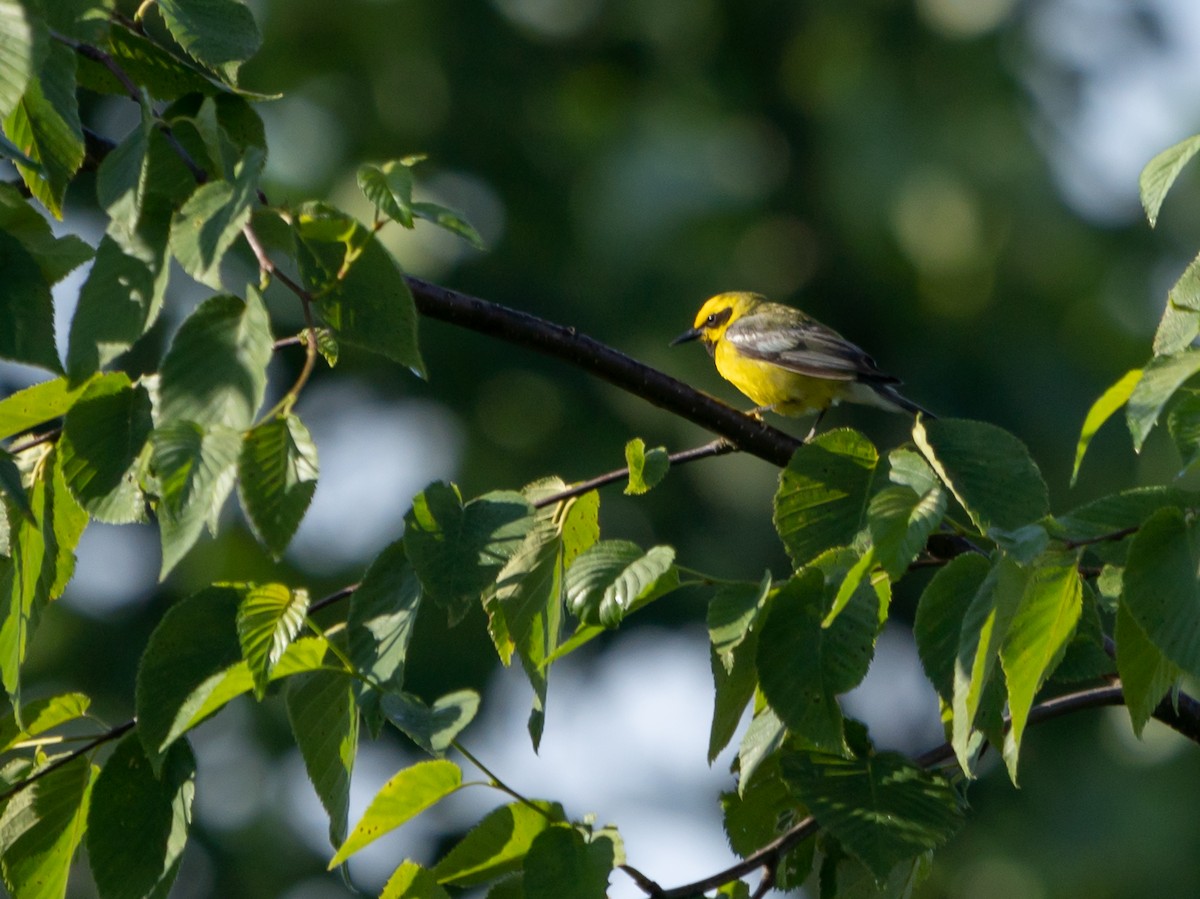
column 206, row 225
column 764, row 735
column 40, row 716
column 450, row 221
column 1177, row 328
column 42, row 561
column 560, row 864
column 196, row 469
column 1108, row 403
column 102, row 443
column 26, row 308
column 268, row 620
column 732, row 626
column 802, row 667
column 379, row 627
column 1146, row 674
column 55, row 256
column 277, row 477
column 822, row 497
column 900, row 521
column 402, row 798
column 1116, row 513
column 40, row 829
column 883, row 808
column 610, row 579
column 361, row 293
column 324, row 720
column 120, row 299
column 36, row 405
column 45, row 126
column 1160, row 173
column 1161, row 379
column 16, row 52
column 1161, row 589
column 218, row 34
column 457, row 550
column 411, row 881
column 988, row 470
column 1183, row 423
column 389, row 187
column 194, row 643
column 646, row 466
column 215, row 372
column 151, row 66
column 121, row 178
column 1038, row 635
column 138, row 820
column 496, row 845
column 434, row 728
column 939, row 619
column 12, row 486
column 762, row 812
column 984, row 628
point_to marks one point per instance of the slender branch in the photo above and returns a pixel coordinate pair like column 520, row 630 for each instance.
column 1113, row 537
column 717, row 447
column 500, row 785
column 35, row 440
column 107, row 736
column 747, row 433
column 1185, row 721
column 333, row 598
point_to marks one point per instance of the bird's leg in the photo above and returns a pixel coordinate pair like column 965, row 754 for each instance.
column 812, row 432
column 757, row 411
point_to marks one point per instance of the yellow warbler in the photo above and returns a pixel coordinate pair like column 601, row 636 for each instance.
column 788, row 362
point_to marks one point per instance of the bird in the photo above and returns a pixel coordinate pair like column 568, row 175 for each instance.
column 787, row 362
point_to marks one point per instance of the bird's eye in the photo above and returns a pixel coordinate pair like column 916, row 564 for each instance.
column 710, row 321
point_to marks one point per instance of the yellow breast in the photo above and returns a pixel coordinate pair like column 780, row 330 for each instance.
column 788, row 392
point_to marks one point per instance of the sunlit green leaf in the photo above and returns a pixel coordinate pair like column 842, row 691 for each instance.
column 449, row 220
column 1041, row 627
column 40, row 716
column 40, row 829
column 411, row 881
column 402, row 798
column 497, row 844
column 45, row 126
column 940, row 614
column 17, row 27
column 55, row 255
column 612, row 578
column 646, row 466
column 268, row 620
column 1108, row 403
column 1160, row 173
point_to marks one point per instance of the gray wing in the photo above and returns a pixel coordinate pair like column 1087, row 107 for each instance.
column 806, row 347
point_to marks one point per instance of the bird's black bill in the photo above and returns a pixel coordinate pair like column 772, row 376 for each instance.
column 692, row 334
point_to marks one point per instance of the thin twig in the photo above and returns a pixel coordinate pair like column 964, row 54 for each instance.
column 107, row 736
column 35, row 440
column 332, row 598
column 718, row 447
column 1102, row 538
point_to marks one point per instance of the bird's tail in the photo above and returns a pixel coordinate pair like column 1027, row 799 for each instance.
column 892, row 398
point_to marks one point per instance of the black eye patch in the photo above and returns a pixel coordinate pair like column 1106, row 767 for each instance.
column 718, row 318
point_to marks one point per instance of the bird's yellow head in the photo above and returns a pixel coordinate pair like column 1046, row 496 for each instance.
column 717, row 314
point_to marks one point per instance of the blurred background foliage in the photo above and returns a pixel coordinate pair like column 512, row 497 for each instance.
column 950, row 183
